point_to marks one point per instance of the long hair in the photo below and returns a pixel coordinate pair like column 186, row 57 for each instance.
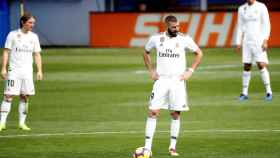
column 24, row 18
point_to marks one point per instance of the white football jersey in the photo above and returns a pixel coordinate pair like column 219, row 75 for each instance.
column 253, row 23
column 22, row 46
column 171, row 58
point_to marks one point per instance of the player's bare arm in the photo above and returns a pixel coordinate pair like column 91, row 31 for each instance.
column 5, row 58
column 265, row 45
column 149, row 66
column 239, row 46
column 38, row 62
column 188, row 73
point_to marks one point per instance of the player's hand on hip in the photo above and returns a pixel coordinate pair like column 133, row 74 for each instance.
column 154, row 75
column 264, row 45
column 4, row 74
column 238, row 48
column 39, row 75
column 186, row 75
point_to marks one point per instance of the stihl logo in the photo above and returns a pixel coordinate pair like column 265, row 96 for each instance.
column 134, row 29
column 206, row 29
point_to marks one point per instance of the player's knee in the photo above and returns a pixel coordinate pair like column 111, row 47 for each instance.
column 175, row 115
column 8, row 98
column 261, row 66
column 247, row 67
column 23, row 98
column 153, row 113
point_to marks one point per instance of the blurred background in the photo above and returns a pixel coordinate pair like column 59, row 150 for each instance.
column 127, row 23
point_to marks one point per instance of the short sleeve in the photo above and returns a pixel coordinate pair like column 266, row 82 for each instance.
column 150, row 44
column 37, row 47
column 9, row 41
column 190, row 44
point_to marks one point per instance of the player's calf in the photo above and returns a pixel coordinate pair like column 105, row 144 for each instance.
column 5, row 110
column 23, row 110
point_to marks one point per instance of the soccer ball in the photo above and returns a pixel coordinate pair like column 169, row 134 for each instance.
column 141, row 152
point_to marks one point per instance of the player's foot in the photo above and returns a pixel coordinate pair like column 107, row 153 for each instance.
column 268, row 97
column 148, row 153
column 243, row 97
column 173, row 152
column 2, row 127
column 24, row 127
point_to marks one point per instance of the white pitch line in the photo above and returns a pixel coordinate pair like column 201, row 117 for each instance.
column 210, row 67
column 200, row 68
column 140, row 132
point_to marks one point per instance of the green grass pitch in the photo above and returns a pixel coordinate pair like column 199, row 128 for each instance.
column 93, row 104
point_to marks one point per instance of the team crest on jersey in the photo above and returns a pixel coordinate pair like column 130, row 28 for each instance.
column 161, row 39
column 18, row 36
column 177, row 45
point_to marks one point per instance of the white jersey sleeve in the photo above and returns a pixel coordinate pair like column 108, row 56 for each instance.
column 9, row 41
column 239, row 33
column 190, row 44
column 37, row 47
column 150, row 44
column 265, row 22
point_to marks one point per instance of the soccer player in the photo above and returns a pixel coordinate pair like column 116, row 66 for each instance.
column 20, row 47
column 170, row 73
column 252, row 34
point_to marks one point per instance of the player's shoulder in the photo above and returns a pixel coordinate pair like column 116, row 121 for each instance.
column 13, row 32
column 33, row 34
column 180, row 34
column 157, row 36
column 260, row 4
column 242, row 6
column 184, row 36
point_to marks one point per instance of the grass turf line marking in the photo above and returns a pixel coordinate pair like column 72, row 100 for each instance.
column 140, row 132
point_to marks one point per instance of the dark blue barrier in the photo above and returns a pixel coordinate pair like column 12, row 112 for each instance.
column 4, row 21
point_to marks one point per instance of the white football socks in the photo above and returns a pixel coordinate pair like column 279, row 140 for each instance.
column 22, row 112
column 246, row 81
column 5, row 109
column 150, row 130
column 266, row 80
column 174, row 132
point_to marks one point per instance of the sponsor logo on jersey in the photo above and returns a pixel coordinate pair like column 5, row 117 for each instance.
column 24, row 49
column 169, row 54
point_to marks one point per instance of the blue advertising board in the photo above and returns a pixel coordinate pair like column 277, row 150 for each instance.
column 4, row 21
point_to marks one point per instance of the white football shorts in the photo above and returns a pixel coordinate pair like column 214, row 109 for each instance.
column 169, row 93
column 17, row 84
column 253, row 53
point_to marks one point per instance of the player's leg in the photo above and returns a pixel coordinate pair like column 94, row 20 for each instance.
column 12, row 88
column 5, row 110
column 27, row 89
column 174, row 132
column 178, row 103
column 262, row 62
column 246, row 75
column 23, row 110
column 157, row 100
column 150, row 128
column 266, row 79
